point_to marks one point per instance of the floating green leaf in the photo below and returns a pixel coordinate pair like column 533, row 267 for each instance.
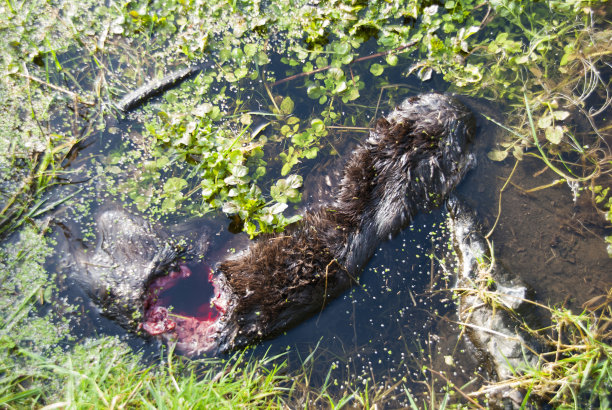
column 286, row 189
column 174, row 185
column 278, row 208
column 377, row 69
column 287, row 106
column 391, row 60
column 497, row 155
column 317, row 125
column 250, row 49
column 554, row 134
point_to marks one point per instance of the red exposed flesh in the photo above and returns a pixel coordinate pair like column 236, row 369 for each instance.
column 193, row 333
column 158, row 321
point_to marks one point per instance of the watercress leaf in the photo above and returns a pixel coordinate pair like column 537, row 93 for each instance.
column 561, row 115
column 267, row 217
column 425, row 73
column 352, row 94
column 113, row 169
column 314, row 91
column 261, row 58
column 567, row 57
column 293, row 120
column 497, row 155
column 207, row 192
column 518, row 152
column 293, row 219
column 230, row 207
column 294, row 181
column 287, row 106
column 335, row 74
column 277, row 191
column 162, row 162
column 391, row 60
column 376, row 69
column 289, row 164
column 250, row 228
column 302, row 139
column 250, row 50
column 174, row 185
column 259, row 172
column 169, row 205
column 347, row 59
column 238, row 170
column 208, row 187
column 554, row 134
column 317, row 125
column 278, row 208
column 202, row 109
column 311, row 152
column 241, row 72
column 342, row 48
column 232, row 180
column 285, row 129
column 470, row 31
column 545, row 121
column 164, row 117
column 341, row 87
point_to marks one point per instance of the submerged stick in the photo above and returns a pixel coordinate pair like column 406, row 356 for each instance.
column 357, row 60
column 157, row 86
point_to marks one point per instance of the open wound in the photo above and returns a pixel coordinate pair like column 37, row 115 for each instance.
column 174, row 306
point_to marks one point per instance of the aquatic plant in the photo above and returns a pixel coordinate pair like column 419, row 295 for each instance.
column 288, row 81
column 575, row 369
column 573, row 364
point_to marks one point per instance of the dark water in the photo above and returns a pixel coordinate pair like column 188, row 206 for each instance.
column 400, row 317
column 383, row 329
column 188, row 296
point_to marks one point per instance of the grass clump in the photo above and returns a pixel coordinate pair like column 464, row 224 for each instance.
column 105, row 373
column 575, row 370
column 581, row 372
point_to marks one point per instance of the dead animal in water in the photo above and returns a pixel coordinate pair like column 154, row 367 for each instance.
column 409, row 163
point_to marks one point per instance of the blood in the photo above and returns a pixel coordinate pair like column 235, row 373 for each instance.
column 192, row 295
column 183, row 297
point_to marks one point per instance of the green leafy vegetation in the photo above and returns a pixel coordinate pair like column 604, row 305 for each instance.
column 289, row 53
column 578, row 368
column 283, row 81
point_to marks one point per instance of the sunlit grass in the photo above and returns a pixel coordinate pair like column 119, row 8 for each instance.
column 106, row 374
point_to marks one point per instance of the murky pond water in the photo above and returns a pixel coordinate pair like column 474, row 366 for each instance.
column 290, row 89
column 401, row 315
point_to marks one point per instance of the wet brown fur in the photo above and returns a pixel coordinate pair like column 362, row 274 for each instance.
column 283, row 278
column 412, row 159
